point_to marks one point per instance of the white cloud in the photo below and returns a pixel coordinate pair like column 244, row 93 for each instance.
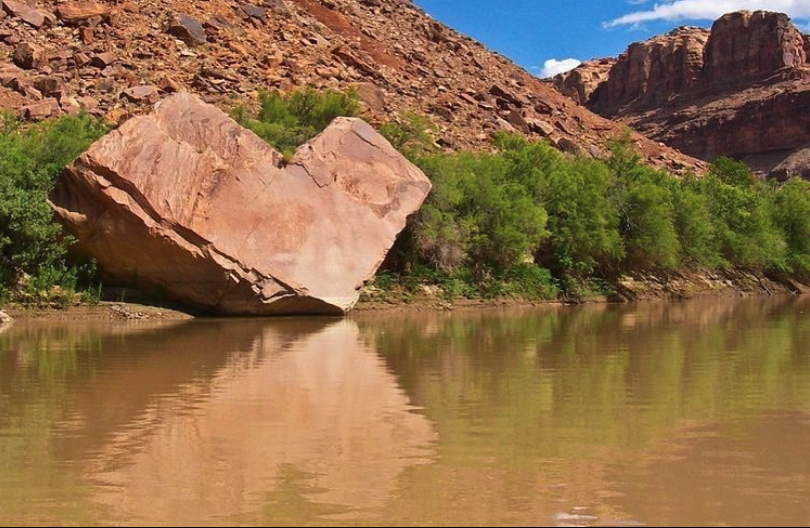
column 676, row 10
column 554, row 67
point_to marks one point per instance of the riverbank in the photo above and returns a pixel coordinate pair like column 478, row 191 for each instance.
column 103, row 311
column 639, row 288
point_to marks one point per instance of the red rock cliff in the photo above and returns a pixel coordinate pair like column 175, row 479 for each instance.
column 582, row 81
column 652, row 72
column 747, row 46
column 740, row 90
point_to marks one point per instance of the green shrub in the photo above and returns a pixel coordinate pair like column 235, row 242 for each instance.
column 644, row 201
column 694, row 225
column 525, row 281
column 746, row 218
column 792, row 215
column 583, row 289
column 288, row 121
column 648, row 228
column 477, row 215
column 583, row 224
column 412, row 136
column 31, row 158
column 746, row 233
column 732, row 172
column 589, row 221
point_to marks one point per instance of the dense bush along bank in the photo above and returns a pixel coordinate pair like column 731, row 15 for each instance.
column 522, row 220
column 33, row 250
column 528, row 220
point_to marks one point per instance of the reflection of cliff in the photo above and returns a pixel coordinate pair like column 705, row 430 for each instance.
column 321, row 405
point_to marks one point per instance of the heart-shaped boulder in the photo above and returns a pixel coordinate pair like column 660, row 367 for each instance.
column 186, row 203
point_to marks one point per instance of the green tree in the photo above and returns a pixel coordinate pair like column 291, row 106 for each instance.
column 31, row 158
column 477, row 214
column 288, row 121
column 583, row 224
column 644, row 201
column 694, row 225
column 792, row 215
column 746, row 234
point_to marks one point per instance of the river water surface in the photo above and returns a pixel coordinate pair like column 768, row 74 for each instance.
column 654, row 414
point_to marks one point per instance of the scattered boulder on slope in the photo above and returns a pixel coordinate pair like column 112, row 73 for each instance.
column 398, row 58
column 187, row 203
column 797, row 164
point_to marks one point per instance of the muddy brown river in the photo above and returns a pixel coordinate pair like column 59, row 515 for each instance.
column 692, row 414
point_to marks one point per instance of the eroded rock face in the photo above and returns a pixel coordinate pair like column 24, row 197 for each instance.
column 188, row 203
column 582, row 81
column 652, row 72
column 757, row 124
column 741, row 90
column 797, row 164
column 752, row 46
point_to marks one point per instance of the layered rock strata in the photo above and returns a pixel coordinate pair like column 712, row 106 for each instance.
column 740, row 90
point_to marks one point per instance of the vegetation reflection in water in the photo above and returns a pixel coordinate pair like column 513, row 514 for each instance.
column 689, row 413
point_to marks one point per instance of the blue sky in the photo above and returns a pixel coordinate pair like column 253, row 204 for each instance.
column 532, row 32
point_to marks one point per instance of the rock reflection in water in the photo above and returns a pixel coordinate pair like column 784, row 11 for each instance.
column 317, row 403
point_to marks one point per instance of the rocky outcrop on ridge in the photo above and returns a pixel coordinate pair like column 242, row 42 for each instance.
column 651, row 73
column 740, row 90
column 580, row 83
column 116, row 58
column 186, row 203
column 747, row 46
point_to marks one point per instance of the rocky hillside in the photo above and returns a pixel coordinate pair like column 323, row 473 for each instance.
column 740, row 90
column 116, row 58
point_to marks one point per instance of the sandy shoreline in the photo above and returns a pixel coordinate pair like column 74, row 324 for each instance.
column 636, row 289
column 116, row 311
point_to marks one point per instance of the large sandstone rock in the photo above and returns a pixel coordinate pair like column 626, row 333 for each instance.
column 76, row 12
column 188, row 29
column 187, row 202
column 27, row 14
